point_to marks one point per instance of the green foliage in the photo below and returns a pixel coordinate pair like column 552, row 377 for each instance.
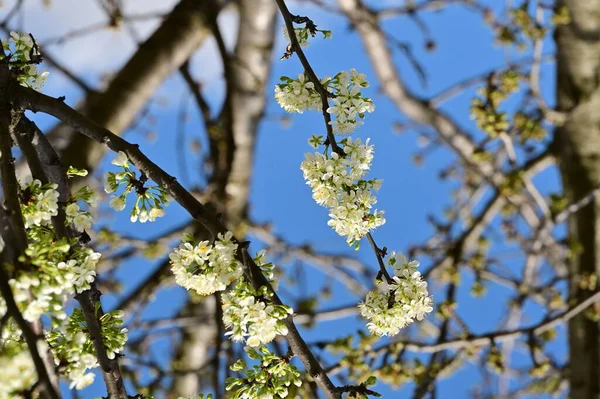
column 271, row 378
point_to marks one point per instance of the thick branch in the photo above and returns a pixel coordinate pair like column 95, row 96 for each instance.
column 35, row 101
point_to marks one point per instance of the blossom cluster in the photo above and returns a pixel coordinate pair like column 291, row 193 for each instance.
column 39, row 203
column 17, row 372
column 206, row 268
column 61, row 269
column 249, row 317
column 248, row 314
column 51, row 270
column 348, row 102
column 57, row 274
column 72, row 347
column 299, row 95
column 56, row 269
column 337, row 184
column 22, row 58
column 392, row 306
column 80, row 219
column 273, row 377
column 150, row 201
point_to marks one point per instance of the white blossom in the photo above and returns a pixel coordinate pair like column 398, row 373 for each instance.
column 109, row 183
column 391, row 307
column 348, row 105
column 206, row 268
column 81, row 379
column 150, row 201
column 72, row 210
column 155, row 213
column 41, row 202
column 117, row 203
column 337, row 184
column 17, row 374
column 80, row 273
column 298, row 95
column 250, row 319
column 121, row 159
column 81, row 220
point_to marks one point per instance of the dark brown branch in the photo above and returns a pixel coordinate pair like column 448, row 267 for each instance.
column 39, row 102
column 10, row 185
column 380, row 254
column 18, row 241
column 289, row 23
column 87, row 299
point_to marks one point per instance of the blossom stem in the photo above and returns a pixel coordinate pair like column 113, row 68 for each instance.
column 289, row 19
column 289, row 23
column 378, row 253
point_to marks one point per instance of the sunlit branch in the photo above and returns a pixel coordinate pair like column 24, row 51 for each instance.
column 39, row 102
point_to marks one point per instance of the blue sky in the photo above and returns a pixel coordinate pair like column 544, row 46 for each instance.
column 279, row 194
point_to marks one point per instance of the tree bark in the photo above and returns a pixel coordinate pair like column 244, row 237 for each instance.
column 178, row 37
column 578, row 152
column 233, row 152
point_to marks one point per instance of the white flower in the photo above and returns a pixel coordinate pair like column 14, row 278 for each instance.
column 83, row 272
column 17, row 373
column 143, row 216
column 82, row 221
column 40, row 80
column 88, row 360
column 206, row 268
column 120, row 159
column 251, row 319
column 81, row 379
column 337, row 184
column 348, row 104
column 358, row 79
column 36, row 308
column 298, row 95
column 117, row 203
column 391, row 307
column 22, row 41
column 72, row 210
column 253, row 341
column 41, row 204
column 1, row 244
column 155, row 213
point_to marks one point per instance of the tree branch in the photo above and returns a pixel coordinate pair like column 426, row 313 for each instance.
column 39, row 102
